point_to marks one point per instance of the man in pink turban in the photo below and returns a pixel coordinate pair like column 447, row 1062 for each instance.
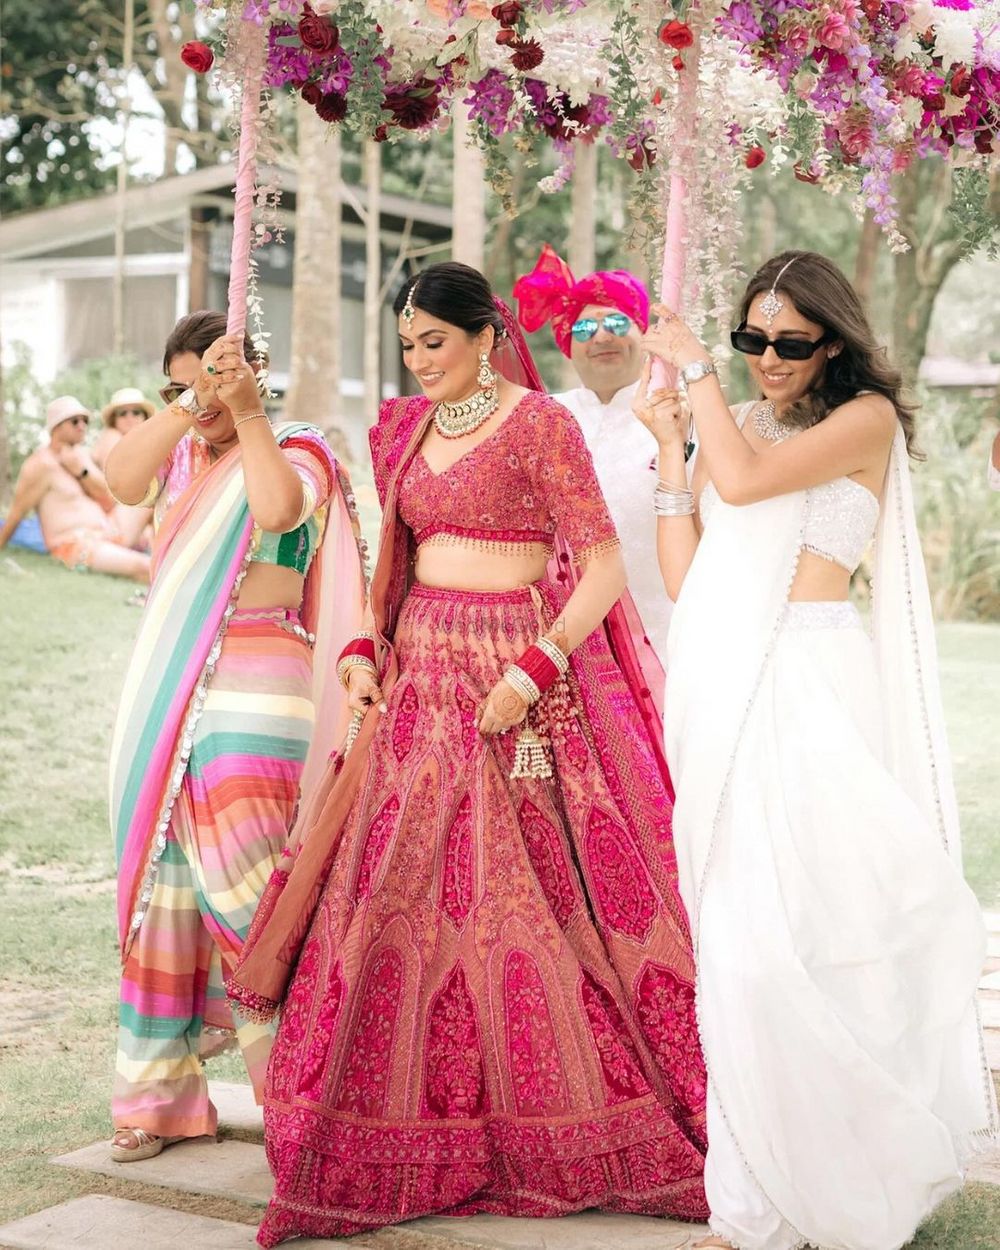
column 598, row 323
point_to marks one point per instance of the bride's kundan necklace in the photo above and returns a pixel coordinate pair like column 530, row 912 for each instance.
column 452, row 420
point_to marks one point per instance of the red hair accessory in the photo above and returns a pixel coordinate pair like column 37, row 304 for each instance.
column 551, row 293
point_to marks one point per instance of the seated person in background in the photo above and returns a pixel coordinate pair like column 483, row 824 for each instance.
column 74, row 504
column 126, row 409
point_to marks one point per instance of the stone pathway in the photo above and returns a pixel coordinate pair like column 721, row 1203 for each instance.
column 234, row 1168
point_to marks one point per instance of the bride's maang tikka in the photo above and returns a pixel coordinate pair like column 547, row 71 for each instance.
column 409, row 312
column 772, row 303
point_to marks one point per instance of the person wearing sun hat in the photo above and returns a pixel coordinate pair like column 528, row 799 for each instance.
column 598, row 322
column 74, row 504
column 127, row 408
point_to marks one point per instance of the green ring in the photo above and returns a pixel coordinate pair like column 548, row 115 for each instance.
column 210, row 368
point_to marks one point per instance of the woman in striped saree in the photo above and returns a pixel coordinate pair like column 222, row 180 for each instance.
column 257, row 573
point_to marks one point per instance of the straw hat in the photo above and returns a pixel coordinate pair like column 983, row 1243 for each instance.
column 61, row 409
column 127, row 397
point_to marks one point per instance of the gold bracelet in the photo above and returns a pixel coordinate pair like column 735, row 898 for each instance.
column 249, row 417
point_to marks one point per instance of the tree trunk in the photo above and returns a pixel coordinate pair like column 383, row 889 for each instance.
column 372, row 356
column 468, row 238
column 867, row 260
column 314, row 388
column 581, row 251
column 923, row 199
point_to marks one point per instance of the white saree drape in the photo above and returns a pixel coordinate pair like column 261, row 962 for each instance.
column 838, row 945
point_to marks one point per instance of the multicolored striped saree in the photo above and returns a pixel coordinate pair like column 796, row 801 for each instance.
column 211, row 747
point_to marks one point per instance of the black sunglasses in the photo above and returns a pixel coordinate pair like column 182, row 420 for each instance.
column 752, row 344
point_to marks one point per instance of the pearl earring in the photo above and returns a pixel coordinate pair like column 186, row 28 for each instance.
column 485, row 377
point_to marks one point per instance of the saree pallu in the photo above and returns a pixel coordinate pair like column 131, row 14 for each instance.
column 492, row 1010
column 227, row 829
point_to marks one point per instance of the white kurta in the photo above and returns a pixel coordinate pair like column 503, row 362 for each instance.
column 624, row 454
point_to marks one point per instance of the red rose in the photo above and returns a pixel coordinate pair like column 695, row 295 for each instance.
column 961, row 82
column 318, row 34
column 507, row 14
column 312, row 93
column 197, row 56
column 676, row 34
column 527, row 55
column 756, row 156
column 332, row 107
column 871, row 9
column 413, row 106
column 933, row 101
column 678, row 63
column 506, row 36
column 657, row 96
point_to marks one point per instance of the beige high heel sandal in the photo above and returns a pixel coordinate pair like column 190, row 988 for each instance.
column 147, row 1145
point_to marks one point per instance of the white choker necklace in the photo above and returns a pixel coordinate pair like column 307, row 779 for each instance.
column 453, row 419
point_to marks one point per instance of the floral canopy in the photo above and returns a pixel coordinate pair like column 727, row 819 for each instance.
column 692, row 95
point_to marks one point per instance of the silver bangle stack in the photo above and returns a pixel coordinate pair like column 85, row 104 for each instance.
column 522, row 684
column 670, row 500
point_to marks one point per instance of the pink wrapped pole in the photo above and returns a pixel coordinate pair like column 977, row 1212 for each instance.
column 252, row 37
column 672, row 275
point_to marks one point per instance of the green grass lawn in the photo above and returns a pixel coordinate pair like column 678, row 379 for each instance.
column 66, row 640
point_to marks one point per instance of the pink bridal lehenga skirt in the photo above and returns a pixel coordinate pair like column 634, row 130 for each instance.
column 494, row 1007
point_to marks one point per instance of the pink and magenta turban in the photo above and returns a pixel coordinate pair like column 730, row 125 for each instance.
column 551, row 293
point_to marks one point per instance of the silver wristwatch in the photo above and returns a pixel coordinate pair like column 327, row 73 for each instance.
column 695, row 371
column 188, row 401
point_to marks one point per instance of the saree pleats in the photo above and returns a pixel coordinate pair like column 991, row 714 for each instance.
column 227, row 829
column 493, row 1008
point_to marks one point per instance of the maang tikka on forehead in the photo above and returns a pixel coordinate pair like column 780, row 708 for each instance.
column 772, row 303
column 409, row 312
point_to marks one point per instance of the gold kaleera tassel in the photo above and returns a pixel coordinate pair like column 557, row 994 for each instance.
column 531, row 760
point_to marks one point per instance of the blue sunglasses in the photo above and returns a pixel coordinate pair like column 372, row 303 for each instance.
column 615, row 323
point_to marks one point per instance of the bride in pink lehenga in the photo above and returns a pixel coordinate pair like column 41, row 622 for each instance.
column 484, row 964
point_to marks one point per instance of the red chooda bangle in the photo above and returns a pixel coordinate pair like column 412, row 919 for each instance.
column 534, row 663
column 361, row 645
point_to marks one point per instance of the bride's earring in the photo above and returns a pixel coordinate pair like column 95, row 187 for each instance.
column 485, row 377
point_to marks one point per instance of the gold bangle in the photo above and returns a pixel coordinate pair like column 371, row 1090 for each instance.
column 252, row 416
column 354, row 661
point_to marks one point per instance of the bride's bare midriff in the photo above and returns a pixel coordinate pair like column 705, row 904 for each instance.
column 463, row 566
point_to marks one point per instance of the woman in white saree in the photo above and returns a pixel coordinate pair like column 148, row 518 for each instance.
column 838, row 946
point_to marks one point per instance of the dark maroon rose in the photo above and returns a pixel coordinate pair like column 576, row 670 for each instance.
column 527, row 55
column 381, row 133
column 961, row 82
column 983, row 142
column 507, row 14
column 506, row 36
column 413, row 106
column 933, row 100
column 197, row 56
column 332, row 107
column 312, row 93
column 318, row 34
